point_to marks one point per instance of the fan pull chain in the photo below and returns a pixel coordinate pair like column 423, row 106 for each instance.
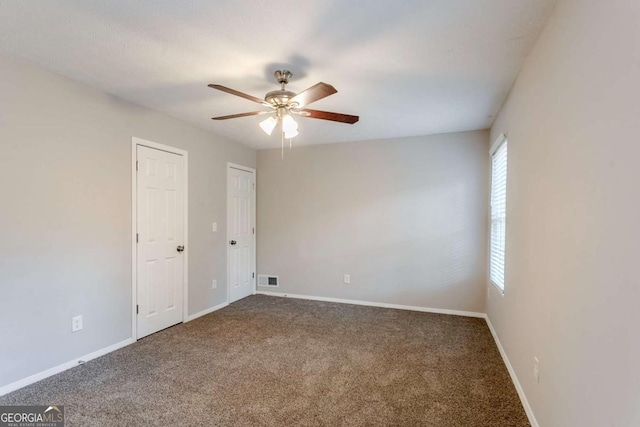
column 282, row 143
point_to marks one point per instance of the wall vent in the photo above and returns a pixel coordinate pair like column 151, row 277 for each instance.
column 268, row 280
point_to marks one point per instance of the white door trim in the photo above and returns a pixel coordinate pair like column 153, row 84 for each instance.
column 135, row 142
column 255, row 259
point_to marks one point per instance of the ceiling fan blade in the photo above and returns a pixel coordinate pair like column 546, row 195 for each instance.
column 240, row 94
column 235, row 116
column 313, row 94
column 326, row 115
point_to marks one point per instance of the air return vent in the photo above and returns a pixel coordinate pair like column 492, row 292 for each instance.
column 267, row 280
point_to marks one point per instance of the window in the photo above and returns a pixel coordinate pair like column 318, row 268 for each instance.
column 498, row 212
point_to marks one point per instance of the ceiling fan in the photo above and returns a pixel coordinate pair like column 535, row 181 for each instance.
column 283, row 103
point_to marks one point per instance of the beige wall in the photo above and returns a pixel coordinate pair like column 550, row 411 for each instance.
column 65, row 186
column 406, row 218
column 573, row 236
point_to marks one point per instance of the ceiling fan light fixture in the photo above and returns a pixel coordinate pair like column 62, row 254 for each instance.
column 291, row 134
column 268, row 125
column 289, row 125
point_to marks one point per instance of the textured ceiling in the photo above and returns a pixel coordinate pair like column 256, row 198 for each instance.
column 407, row 68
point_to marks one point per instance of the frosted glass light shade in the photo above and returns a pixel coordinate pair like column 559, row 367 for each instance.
column 289, row 126
column 291, row 134
column 268, row 125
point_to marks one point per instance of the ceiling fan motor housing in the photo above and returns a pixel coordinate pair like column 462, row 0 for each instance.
column 279, row 98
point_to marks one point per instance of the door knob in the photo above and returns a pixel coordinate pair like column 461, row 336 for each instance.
column 180, row 248
column 233, row 242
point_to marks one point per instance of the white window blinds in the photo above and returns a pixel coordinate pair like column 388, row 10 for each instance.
column 498, row 214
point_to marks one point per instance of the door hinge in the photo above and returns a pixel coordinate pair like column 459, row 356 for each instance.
column 137, row 238
column 253, row 230
column 137, row 309
column 137, row 165
column 253, row 275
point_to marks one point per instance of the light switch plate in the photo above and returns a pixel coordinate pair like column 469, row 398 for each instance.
column 214, row 227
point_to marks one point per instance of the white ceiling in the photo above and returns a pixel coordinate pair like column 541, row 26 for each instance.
column 407, row 68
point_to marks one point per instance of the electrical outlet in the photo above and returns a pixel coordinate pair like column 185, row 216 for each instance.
column 214, row 227
column 536, row 369
column 76, row 323
column 347, row 278
column 214, row 284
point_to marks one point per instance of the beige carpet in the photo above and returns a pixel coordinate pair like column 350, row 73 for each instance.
column 284, row 362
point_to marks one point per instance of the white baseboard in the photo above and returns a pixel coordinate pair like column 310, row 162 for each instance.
column 207, row 311
column 377, row 304
column 63, row 367
column 514, row 378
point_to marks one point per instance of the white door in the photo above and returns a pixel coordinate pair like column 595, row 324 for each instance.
column 241, row 232
column 160, row 227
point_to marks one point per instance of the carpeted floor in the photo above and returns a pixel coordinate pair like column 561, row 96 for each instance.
column 267, row 361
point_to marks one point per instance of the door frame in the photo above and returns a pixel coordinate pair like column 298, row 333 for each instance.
column 135, row 142
column 253, row 200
